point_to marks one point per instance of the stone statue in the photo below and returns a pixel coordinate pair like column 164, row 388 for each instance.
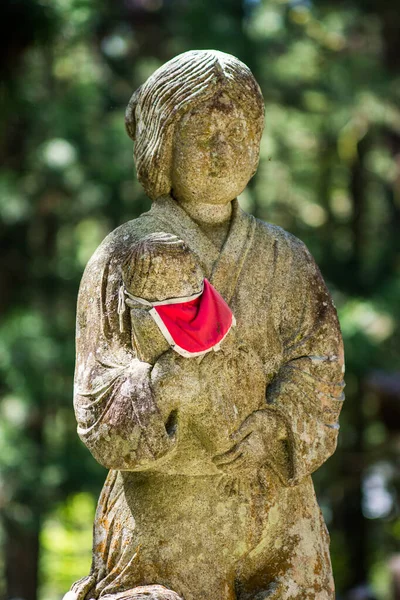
column 209, row 369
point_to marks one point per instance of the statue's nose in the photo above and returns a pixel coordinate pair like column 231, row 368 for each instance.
column 219, row 146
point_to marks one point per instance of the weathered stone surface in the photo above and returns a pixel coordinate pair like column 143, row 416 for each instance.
column 209, row 494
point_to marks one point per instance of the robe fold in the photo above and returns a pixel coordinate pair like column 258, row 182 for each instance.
column 286, row 358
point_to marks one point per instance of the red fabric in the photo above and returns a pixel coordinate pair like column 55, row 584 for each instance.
column 200, row 324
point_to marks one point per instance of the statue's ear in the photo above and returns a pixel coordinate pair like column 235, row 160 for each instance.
column 130, row 119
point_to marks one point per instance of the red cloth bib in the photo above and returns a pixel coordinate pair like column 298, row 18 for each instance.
column 197, row 326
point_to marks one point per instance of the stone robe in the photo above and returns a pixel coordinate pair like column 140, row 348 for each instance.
column 166, row 515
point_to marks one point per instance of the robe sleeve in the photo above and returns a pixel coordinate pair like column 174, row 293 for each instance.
column 307, row 391
column 118, row 418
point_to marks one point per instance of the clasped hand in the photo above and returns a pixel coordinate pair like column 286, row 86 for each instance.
column 253, row 444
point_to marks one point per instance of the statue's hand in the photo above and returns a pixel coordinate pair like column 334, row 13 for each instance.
column 156, row 442
column 174, row 382
column 253, row 444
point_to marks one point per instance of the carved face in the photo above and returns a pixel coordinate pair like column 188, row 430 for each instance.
column 215, row 152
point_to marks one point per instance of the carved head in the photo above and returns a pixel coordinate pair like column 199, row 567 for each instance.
column 197, row 124
column 161, row 266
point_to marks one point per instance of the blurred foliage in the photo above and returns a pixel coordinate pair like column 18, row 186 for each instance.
column 329, row 172
column 66, row 541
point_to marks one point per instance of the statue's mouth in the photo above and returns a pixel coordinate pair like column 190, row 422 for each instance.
column 220, row 171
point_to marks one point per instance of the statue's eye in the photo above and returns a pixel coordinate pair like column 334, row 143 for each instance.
column 203, row 137
column 237, row 132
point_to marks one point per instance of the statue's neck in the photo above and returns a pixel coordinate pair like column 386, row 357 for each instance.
column 213, row 219
column 208, row 214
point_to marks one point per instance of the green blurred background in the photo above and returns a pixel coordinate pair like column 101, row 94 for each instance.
column 329, row 173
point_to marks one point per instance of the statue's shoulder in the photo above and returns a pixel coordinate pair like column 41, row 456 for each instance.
column 116, row 246
column 281, row 239
column 119, row 241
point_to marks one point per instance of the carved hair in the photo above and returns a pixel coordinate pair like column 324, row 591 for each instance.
column 176, row 87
